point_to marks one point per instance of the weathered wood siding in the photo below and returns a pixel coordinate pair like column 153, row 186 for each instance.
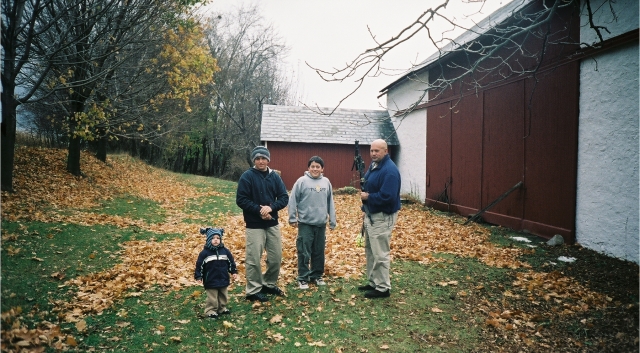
column 480, row 144
column 485, row 144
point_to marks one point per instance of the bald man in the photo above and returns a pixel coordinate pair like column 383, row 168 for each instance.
column 381, row 195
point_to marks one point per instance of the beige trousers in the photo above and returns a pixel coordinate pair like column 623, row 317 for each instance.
column 257, row 241
column 216, row 300
column 377, row 248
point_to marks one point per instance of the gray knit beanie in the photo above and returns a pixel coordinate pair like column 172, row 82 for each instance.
column 260, row 151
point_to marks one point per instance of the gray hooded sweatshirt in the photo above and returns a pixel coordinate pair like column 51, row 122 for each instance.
column 311, row 200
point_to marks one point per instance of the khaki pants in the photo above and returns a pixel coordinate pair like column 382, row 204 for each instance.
column 216, row 300
column 257, row 241
column 377, row 249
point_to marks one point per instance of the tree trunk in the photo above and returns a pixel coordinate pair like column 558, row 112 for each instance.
column 194, row 165
column 178, row 161
column 134, row 148
column 204, row 155
column 211, row 162
column 73, row 159
column 152, row 150
column 101, row 148
column 187, row 161
column 225, row 160
column 9, row 106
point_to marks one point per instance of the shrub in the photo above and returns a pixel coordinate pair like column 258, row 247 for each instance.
column 347, row 190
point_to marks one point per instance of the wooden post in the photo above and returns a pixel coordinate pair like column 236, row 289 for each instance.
column 477, row 215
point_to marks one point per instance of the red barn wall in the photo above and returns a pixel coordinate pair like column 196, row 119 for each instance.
column 481, row 146
column 481, row 143
column 291, row 160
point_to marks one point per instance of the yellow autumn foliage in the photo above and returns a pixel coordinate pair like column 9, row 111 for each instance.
column 188, row 64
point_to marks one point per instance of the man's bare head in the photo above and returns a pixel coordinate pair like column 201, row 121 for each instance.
column 378, row 150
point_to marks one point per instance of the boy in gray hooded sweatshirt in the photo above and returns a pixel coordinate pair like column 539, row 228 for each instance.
column 310, row 202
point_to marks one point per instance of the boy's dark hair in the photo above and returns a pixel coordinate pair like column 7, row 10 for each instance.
column 317, row 160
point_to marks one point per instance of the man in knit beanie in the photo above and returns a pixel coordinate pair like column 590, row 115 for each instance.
column 261, row 194
column 260, row 151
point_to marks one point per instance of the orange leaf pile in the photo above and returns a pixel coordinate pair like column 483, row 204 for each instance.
column 41, row 182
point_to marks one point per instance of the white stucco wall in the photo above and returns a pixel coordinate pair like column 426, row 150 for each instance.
column 607, row 204
column 626, row 12
column 412, row 134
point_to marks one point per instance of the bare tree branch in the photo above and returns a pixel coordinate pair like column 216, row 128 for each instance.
column 485, row 54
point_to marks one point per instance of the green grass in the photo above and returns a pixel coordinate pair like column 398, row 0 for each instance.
column 220, row 185
column 38, row 257
column 134, row 208
column 208, row 209
column 332, row 318
column 439, row 307
column 335, row 317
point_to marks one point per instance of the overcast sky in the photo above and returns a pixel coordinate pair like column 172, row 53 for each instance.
column 328, row 33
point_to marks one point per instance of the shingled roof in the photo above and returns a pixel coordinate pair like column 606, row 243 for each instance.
column 344, row 126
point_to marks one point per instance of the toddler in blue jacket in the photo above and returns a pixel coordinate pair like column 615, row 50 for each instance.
column 213, row 267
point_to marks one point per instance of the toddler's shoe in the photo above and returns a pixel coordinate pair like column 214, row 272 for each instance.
column 213, row 316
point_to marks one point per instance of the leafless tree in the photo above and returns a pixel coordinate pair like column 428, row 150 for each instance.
column 249, row 53
column 485, row 54
column 24, row 70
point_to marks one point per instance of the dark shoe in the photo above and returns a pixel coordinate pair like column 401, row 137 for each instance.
column 377, row 294
column 272, row 290
column 258, row 296
column 213, row 316
column 367, row 287
column 225, row 312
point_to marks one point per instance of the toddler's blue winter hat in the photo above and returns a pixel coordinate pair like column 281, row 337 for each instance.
column 210, row 232
column 260, row 151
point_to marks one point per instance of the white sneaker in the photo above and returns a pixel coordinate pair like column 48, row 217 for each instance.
column 303, row 285
column 320, row 282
